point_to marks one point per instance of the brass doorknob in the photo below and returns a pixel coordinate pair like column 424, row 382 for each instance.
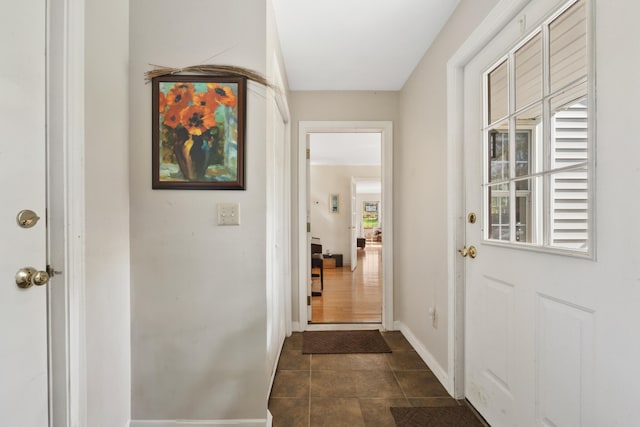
column 471, row 251
column 29, row 276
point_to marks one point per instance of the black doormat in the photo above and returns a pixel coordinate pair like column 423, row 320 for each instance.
column 445, row 416
column 342, row 342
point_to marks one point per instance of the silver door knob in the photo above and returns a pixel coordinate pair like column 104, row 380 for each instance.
column 29, row 276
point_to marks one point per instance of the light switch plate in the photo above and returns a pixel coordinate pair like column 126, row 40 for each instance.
column 228, row 214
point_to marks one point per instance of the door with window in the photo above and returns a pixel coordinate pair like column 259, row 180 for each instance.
column 529, row 181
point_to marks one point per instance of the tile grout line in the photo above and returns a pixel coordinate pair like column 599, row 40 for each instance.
column 309, row 395
column 397, row 381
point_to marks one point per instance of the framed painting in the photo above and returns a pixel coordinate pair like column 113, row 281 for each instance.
column 198, row 132
column 334, row 203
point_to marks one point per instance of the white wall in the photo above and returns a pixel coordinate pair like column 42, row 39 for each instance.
column 331, row 106
column 420, row 189
column 107, row 327
column 198, row 289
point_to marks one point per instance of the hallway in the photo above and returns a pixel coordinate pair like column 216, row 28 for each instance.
column 351, row 297
column 351, row 389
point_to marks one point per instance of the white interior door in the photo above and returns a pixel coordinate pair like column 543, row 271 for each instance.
column 529, row 353
column 23, row 312
column 276, row 237
column 354, row 226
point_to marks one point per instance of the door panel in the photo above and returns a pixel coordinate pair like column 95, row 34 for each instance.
column 497, row 321
column 23, row 312
column 276, row 237
column 563, row 352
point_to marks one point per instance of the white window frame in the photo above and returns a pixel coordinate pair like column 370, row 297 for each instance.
column 541, row 213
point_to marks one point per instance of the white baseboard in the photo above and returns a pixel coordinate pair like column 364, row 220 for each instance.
column 274, row 368
column 198, row 423
column 295, row 327
column 428, row 358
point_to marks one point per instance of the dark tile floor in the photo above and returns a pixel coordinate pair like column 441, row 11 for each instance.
column 351, row 390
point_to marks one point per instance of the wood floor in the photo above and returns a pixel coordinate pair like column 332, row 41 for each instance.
column 351, row 297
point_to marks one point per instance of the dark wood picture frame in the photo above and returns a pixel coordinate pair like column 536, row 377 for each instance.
column 198, row 132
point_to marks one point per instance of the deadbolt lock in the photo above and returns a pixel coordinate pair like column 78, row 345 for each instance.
column 27, row 218
column 472, row 218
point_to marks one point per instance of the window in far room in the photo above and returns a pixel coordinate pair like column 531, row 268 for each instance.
column 370, row 214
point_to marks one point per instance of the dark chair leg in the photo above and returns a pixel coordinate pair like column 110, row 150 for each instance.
column 317, row 262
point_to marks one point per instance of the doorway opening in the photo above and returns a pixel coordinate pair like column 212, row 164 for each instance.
column 345, row 207
column 345, row 190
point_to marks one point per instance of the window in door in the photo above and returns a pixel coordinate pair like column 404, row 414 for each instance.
column 537, row 141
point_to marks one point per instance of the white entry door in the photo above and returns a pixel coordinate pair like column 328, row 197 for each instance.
column 529, row 305
column 277, row 241
column 23, row 312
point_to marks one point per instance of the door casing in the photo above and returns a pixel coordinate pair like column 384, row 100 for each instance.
column 385, row 128
column 66, row 217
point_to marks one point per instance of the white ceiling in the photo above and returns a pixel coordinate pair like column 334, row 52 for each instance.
column 346, row 149
column 356, row 44
column 369, row 187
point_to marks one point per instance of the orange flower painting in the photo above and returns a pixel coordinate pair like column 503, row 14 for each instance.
column 198, row 132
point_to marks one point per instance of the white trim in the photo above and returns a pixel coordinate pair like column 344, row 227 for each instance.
column 274, row 368
column 593, row 116
column 387, row 222
column 65, row 50
column 426, row 356
column 75, row 210
column 279, row 93
column 500, row 15
column 386, row 129
column 199, row 423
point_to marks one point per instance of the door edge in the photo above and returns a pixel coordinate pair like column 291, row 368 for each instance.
column 503, row 12
column 66, row 204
